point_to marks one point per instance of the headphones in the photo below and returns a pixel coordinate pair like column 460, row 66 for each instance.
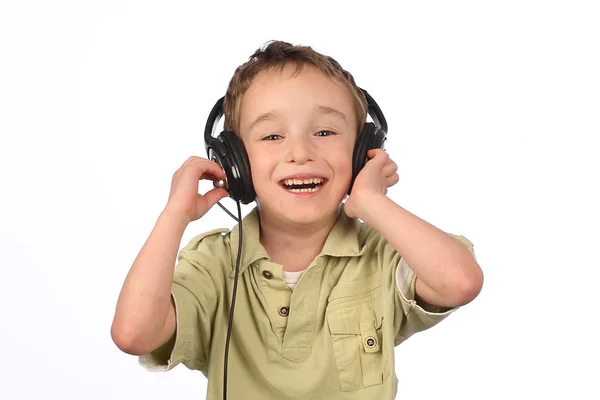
column 228, row 150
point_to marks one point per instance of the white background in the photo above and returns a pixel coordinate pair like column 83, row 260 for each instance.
column 493, row 109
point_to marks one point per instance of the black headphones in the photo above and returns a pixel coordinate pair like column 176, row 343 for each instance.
column 228, row 150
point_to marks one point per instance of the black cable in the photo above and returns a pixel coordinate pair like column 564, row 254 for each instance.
column 227, row 211
column 235, row 281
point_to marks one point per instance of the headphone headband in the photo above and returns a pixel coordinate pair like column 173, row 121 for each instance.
column 213, row 119
column 375, row 112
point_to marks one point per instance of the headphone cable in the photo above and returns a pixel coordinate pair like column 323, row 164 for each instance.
column 235, row 282
column 227, row 211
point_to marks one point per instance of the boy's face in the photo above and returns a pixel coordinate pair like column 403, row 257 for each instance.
column 298, row 130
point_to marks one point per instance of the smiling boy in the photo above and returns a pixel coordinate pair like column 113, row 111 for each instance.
column 327, row 288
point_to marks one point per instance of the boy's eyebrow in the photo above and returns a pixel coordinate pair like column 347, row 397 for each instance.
column 326, row 110
column 320, row 109
column 264, row 117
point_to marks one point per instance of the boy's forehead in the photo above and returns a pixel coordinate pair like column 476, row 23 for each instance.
column 276, row 89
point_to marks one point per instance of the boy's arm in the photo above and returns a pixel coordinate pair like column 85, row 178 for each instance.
column 145, row 316
column 145, row 313
column 447, row 272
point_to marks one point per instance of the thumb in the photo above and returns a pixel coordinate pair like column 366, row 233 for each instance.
column 214, row 195
column 377, row 156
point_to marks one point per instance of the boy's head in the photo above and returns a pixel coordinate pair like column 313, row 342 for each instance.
column 298, row 114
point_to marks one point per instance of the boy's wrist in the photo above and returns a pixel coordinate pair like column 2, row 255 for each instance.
column 368, row 203
column 174, row 217
column 370, row 206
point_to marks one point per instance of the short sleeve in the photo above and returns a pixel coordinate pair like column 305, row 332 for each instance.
column 194, row 294
column 412, row 317
column 466, row 242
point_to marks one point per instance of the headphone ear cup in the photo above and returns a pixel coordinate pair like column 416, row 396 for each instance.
column 239, row 175
column 370, row 138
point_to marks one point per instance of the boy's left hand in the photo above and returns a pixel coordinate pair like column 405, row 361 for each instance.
column 379, row 173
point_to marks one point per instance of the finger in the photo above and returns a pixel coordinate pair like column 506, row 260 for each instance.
column 209, row 176
column 193, row 163
column 208, row 170
column 379, row 157
column 204, row 163
column 200, row 161
column 389, row 169
column 215, row 170
column 391, row 162
column 392, row 180
column 190, row 160
column 374, row 152
column 214, row 195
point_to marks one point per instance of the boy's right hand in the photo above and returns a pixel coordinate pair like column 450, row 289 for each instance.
column 184, row 200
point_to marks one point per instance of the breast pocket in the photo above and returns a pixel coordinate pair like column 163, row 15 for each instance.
column 355, row 319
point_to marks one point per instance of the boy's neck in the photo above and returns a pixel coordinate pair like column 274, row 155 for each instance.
column 294, row 247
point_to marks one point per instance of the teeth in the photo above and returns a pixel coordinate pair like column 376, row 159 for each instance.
column 302, row 181
column 304, row 190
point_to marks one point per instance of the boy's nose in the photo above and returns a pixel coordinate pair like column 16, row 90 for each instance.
column 300, row 150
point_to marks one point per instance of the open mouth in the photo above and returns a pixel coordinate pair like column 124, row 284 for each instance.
column 309, row 185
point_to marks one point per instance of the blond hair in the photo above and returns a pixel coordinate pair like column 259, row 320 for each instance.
column 279, row 54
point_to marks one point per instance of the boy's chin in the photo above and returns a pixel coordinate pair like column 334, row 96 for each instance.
column 300, row 214
column 307, row 217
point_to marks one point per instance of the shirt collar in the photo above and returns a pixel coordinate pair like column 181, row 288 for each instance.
column 342, row 241
column 252, row 249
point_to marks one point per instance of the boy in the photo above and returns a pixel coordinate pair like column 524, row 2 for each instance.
column 323, row 298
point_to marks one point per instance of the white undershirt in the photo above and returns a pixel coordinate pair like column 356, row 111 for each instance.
column 291, row 278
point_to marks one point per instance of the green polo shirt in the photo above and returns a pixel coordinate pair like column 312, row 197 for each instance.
column 332, row 337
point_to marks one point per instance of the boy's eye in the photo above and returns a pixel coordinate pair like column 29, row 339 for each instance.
column 325, row 133
column 272, row 137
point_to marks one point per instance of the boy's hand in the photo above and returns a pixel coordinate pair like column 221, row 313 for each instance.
column 184, row 200
column 379, row 173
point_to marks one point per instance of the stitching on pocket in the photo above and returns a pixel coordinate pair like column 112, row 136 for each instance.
column 356, row 292
column 352, row 289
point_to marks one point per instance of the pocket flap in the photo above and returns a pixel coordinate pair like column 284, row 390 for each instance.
column 356, row 288
column 348, row 320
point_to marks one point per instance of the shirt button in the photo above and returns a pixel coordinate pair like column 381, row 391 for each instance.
column 284, row 311
column 370, row 342
column 267, row 274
